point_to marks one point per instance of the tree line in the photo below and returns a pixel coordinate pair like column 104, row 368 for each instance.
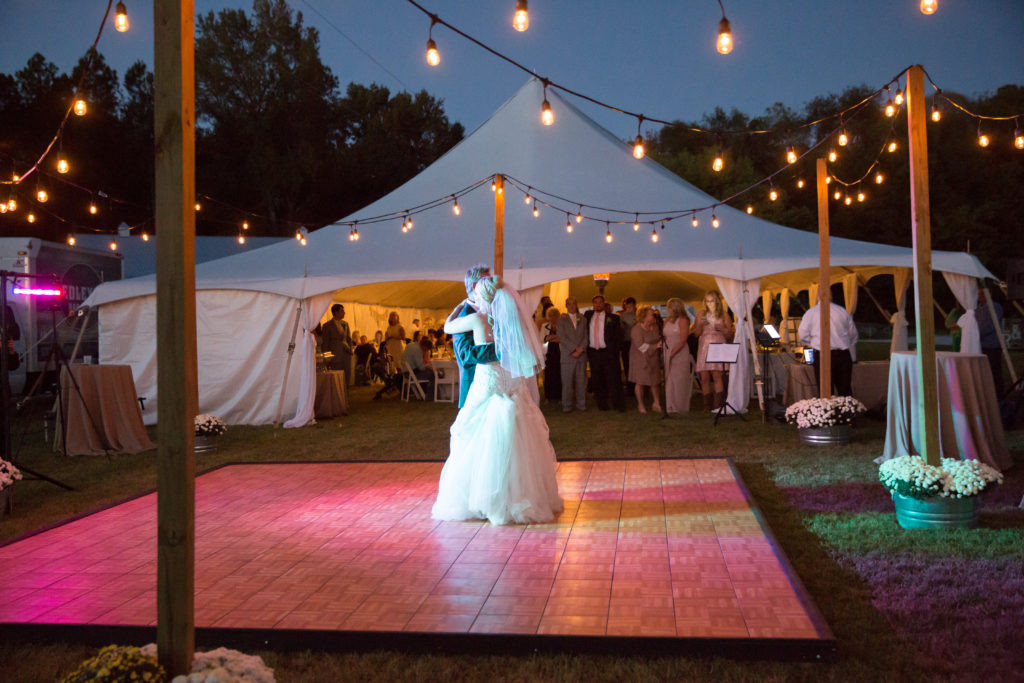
column 276, row 137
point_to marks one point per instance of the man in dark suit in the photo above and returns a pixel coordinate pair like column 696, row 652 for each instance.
column 604, row 345
column 338, row 340
column 468, row 355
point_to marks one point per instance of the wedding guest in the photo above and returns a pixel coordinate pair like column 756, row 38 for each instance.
column 677, row 358
column 414, row 356
column 394, row 337
column 714, row 326
column 605, row 340
column 572, row 346
column 337, row 338
column 842, row 338
column 363, row 353
column 627, row 314
column 552, row 356
column 645, row 358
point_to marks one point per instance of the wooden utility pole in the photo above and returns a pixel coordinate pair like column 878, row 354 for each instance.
column 920, row 214
column 824, row 287
column 177, row 394
column 499, row 225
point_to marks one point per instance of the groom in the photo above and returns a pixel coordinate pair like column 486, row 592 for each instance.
column 466, row 353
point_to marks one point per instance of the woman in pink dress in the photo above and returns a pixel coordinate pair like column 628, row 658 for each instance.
column 677, row 358
column 713, row 326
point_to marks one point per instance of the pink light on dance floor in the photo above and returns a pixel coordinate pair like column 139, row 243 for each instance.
column 664, row 548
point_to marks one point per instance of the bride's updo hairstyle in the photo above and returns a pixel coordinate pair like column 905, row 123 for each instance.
column 486, row 288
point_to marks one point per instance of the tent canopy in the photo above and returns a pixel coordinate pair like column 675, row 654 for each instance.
column 574, row 159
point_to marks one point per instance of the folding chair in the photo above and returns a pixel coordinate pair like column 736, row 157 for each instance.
column 411, row 383
column 451, row 380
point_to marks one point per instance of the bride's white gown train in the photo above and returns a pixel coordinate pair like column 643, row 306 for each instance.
column 502, row 465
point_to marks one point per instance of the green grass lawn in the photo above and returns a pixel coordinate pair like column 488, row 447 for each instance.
column 902, row 605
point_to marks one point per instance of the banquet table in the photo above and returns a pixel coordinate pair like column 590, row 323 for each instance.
column 969, row 424
column 868, row 383
column 105, row 418
column 331, row 395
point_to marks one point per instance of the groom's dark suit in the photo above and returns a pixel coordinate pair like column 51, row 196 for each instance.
column 468, row 355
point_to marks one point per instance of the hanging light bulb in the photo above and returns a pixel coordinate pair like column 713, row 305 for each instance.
column 71, row 240
column 433, row 56
column 241, row 238
column 899, row 97
column 568, row 224
column 527, row 199
column 494, row 186
column 62, row 165
column 355, row 234
column 638, row 147
column 405, row 227
column 81, row 107
column 893, row 146
column 724, row 44
column 936, row 114
column 890, row 109
column 3, row 207
column 719, row 163
column 536, row 211
column 31, row 218
column 714, row 221
column 455, row 206
column 42, row 196
column 120, row 18
column 1018, row 137
column 695, row 222
column 579, row 215
column 408, row 221
column 654, row 235
column 113, row 244
column 12, row 204
column 636, row 222
column 844, row 139
column 847, row 200
column 836, row 195
column 608, row 234
column 832, row 156
column 983, row 139
column 302, row 241
column 750, row 209
column 298, row 234
column 773, row 194
column 245, row 225
column 547, row 117
column 879, row 178
column 791, row 156
column 521, row 18
column 800, row 183
column 199, row 207
column 144, row 236
column 929, row 6
column 93, row 209
column 860, row 195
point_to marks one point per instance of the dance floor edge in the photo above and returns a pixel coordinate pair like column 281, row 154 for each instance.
column 650, row 556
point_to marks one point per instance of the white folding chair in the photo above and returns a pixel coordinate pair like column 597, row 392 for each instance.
column 411, row 383
column 451, row 380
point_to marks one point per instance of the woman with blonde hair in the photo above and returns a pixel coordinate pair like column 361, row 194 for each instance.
column 394, row 338
column 677, row 358
column 645, row 358
column 713, row 326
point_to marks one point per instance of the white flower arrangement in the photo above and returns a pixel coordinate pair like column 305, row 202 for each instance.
column 824, row 412
column 221, row 666
column 911, row 476
column 8, row 474
column 209, row 425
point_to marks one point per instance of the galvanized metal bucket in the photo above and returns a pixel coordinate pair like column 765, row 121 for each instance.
column 935, row 512
column 205, row 444
column 834, row 435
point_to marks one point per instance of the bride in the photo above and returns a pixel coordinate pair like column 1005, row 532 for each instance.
column 501, row 466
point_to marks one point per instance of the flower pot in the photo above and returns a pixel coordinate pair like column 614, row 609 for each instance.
column 205, row 444
column 935, row 512
column 833, row 435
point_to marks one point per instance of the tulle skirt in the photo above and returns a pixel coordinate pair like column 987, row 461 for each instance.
column 502, row 465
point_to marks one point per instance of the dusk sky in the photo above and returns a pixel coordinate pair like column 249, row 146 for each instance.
column 656, row 57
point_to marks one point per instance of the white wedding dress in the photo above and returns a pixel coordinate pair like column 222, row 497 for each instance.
column 502, row 465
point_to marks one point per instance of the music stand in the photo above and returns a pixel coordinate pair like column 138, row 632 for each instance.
column 728, row 354
column 768, row 337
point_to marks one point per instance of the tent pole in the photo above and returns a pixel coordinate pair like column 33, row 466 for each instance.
column 177, row 391
column 759, row 378
column 999, row 334
column 920, row 214
column 81, row 333
column 499, row 225
column 824, row 291
column 288, row 364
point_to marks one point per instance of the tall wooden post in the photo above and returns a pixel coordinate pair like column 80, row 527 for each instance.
column 920, row 213
column 499, row 225
column 824, row 286
column 177, row 395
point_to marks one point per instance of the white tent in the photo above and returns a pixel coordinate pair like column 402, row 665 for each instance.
column 247, row 304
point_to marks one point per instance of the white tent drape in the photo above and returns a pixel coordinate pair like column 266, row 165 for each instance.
column 812, row 296
column 737, row 294
column 965, row 289
column 784, row 309
column 901, row 280
column 850, row 292
column 766, row 304
column 305, row 358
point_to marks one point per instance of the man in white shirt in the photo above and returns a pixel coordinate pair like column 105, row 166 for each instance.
column 842, row 340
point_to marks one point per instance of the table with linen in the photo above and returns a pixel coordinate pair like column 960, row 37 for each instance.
column 105, row 417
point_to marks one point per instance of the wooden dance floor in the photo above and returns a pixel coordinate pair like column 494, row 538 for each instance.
column 669, row 554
